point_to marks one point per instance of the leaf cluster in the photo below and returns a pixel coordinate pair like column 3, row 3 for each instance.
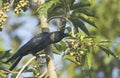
column 81, row 49
column 78, row 13
column 3, row 66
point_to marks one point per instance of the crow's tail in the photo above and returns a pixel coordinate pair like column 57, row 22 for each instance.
column 14, row 57
column 15, row 63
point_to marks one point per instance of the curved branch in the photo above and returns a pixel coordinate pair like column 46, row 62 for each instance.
column 62, row 17
column 19, row 73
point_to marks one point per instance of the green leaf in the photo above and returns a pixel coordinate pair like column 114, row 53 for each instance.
column 75, row 23
column 56, row 51
column 84, row 17
column 86, row 11
column 56, row 10
column 58, row 47
column 78, row 24
column 79, row 5
column 104, row 49
column 4, row 54
column 63, row 45
column 107, row 51
column 105, row 41
column 43, row 8
column 87, row 19
column 71, row 58
column 89, row 58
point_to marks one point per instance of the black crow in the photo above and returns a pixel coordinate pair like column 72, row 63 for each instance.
column 37, row 43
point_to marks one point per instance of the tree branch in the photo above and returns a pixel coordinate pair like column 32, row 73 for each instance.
column 48, row 51
column 19, row 73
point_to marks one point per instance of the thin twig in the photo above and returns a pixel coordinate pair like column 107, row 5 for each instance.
column 19, row 73
column 62, row 18
column 12, row 2
column 7, row 71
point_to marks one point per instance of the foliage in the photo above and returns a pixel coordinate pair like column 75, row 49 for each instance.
column 86, row 51
column 3, row 56
column 42, row 8
column 75, row 14
column 83, row 50
column 108, row 29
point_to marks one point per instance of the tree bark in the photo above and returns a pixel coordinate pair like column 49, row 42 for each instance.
column 48, row 51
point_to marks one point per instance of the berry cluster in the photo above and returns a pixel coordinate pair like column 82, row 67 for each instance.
column 20, row 5
column 5, row 5
column 79, row 47
column 3, row 18
column 38, row 65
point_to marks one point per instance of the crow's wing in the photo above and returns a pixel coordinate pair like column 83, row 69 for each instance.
column 35, row 41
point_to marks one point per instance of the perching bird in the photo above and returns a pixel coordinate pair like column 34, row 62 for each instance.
column 37, row 43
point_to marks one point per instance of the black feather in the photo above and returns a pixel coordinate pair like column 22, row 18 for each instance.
column 37, row 43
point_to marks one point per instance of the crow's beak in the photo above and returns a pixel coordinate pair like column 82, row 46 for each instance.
column 67, row 35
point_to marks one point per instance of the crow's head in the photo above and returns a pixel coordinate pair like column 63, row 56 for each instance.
column 57, row 36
